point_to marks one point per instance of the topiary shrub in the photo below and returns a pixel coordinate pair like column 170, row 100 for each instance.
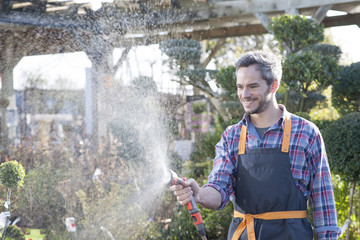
column 342, row 139
column 346, row 92
column 328, row 50
column 14, row 233
column 182, row 50
column 296, row 31
column 226, row 80
column 305, row 72
column 12, row 174
column 144, row 86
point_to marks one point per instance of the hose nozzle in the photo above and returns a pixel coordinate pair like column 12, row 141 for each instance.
column 174, row 179
column 191, row 206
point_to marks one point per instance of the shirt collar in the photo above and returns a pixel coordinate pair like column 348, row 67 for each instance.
column 246, row 118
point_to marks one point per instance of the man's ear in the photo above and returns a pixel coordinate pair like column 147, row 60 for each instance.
column 274, row 86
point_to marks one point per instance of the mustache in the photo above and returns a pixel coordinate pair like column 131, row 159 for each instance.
column 248, row 99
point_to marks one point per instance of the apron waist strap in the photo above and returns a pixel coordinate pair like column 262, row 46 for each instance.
column 248, row 221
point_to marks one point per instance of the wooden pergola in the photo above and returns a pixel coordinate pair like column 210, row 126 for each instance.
column 34, row 27
column 133, row 22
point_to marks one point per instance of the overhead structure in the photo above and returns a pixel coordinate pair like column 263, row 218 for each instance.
column 34, row 27
column 151, row 21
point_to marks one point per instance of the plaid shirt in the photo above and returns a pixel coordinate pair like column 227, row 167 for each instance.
column 308, row 162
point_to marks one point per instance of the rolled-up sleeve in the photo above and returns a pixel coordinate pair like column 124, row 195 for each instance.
column 222, row 175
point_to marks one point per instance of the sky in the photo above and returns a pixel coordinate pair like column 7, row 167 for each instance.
column 70, row 67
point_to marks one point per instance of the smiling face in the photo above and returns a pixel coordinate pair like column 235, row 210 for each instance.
column 253, row 92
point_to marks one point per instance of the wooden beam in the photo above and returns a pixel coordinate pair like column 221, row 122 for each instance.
column 245, row 6
column 347, row 7
column 21, row 5
column 228, row 32
column 265, row 21
column 122, row 58
column 38, row 20
column 214, row 50
column 292, row 11
column 263, row 18
column 260, row 29
column 238, row 8
column 321, row 13
column 344, row 20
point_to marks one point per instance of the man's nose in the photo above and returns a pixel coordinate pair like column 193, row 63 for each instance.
column 246, row 93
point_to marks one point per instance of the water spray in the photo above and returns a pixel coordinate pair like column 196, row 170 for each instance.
column 191, row 206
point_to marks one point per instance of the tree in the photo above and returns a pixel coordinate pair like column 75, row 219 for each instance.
column 12, row 175
column 144, row 85
column 296, row 32
column 232, row 48
column 346, row 91
column 309, row 72
column 342, row 139
column 226, row 81
column 307, row 67
column 184, row 57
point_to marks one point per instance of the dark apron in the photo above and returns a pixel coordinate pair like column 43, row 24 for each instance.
column 264, row 183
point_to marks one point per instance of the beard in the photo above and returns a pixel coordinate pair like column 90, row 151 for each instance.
column 263, row 104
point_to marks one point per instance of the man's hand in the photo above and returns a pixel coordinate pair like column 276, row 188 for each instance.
column 207, row 197
column 184, row 192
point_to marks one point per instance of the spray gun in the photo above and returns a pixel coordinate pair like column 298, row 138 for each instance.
column 191, row 206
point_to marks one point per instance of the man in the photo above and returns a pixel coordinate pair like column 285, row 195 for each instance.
column 269, row 165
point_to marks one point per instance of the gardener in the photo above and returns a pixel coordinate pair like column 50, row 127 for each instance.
column 269, row 165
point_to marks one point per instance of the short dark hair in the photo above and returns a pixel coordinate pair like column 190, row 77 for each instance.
column 268, row 64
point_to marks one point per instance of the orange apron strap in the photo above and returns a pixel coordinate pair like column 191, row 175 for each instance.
column 242, row 141
column 248, row 221
column 286, row 135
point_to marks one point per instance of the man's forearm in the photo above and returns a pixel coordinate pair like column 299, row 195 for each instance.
column 209, row 198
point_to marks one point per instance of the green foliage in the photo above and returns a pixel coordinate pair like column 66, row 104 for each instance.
column 184, row 57
column 342, row 139
column 342, row 199
column 129, row 147
column 331, row 51
column 294, row 99
column 308, row 70
column 114, row 209
column 13, row 233
column 296, row 31
column 53, row 101
column 12, row 174
column 175, row 162
column 217, row 222
column 204, row 152
column 144, row 85
column 40, row 204
column 198, row 107
column 346, row 92
column 182, row 50
column 182, row 227
column 305, row 72
column 226, row 80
